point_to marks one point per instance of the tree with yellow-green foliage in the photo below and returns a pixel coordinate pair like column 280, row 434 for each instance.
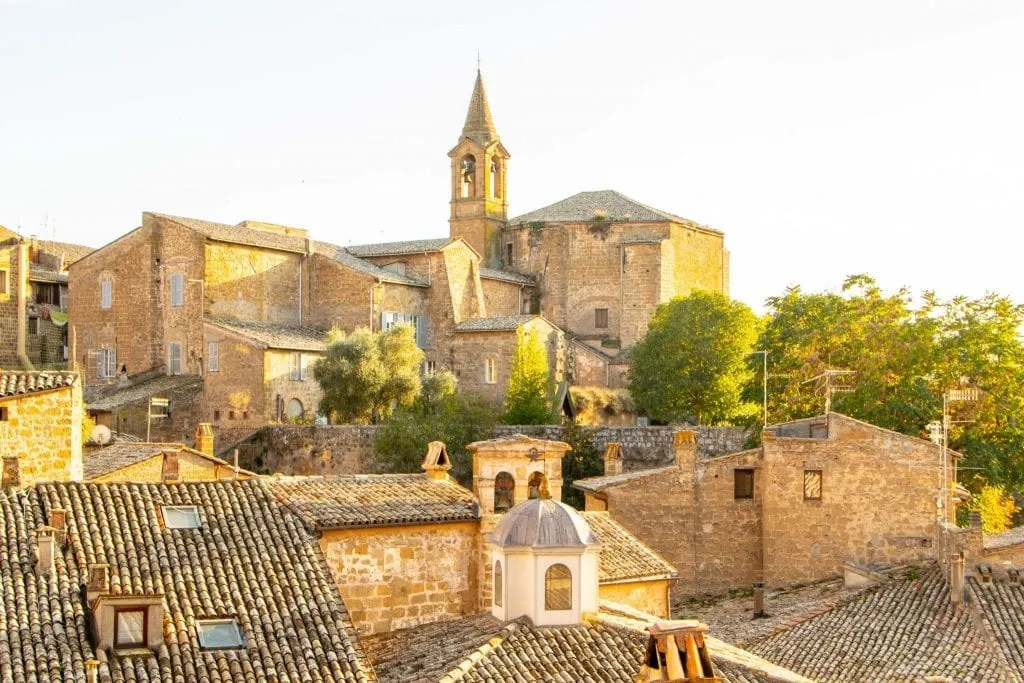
column 528, row 399
column 996, row 507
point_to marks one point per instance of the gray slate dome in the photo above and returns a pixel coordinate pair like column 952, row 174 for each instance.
column 543, row 523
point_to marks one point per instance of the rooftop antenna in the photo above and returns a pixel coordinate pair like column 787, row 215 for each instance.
column 478, row 59
column 827, row 381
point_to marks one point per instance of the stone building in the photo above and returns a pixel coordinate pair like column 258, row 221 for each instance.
column 40, row 427
column 33, row 300
column 818, row 493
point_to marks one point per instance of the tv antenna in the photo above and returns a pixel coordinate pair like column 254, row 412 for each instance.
column 830, row 382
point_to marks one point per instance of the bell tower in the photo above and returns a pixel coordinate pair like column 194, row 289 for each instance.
column 479, row 165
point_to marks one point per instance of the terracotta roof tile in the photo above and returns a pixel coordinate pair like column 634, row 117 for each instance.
column 275, row 335
column 501, row 323
column 595, row 484
column 1001, row 604
column 239, row 234
column 1007, row 538
column 16, row 383
column 398, row 248
column 360, row 500
column 108, row 397
column 625, row 557
column 507, row 276
column 612, row 206
column 250, row 560
column 120, row 455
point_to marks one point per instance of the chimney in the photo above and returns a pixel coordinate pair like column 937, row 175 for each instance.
column 437, row 463
column 685, row 447
column 169, row 472
column 58, row 522
column 612, row 459
column 92, row 671
column 99, row 582
column 204, row 438
column 975, row 518
column 759, row 600
column 985, row 571
column 676, row 652
column 10, row 476
column 956, row 578
column 46, row 550
column 1013, row 574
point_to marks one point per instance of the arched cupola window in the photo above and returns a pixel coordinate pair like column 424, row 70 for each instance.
column 558, row 588
column 504, row 492
column 467, row 172
column 498, row 583
column 495, row 177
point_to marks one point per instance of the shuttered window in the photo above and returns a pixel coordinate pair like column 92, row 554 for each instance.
column 177, row 289
column 213, row 356
column 812, row 484
column 174, row 358
column 106, row 293
column 419, row 324
column 106, row 363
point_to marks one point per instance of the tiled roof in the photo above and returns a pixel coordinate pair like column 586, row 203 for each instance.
column 275, row 335
column 613, row 206
column 398, row 248
column 596, row 484
column 904, row 630
column 108, row 397
column 119, row 455
column 72, row 252
column 251, row 560
column 1010, row 537
column 42, row 274
column 479, row 126
column 1001, row 604
column 361, row 500
column 344, row 257
column 507, row 276
column 501, row 323
column 624, row 557
column 237, row 234
column 16, row 383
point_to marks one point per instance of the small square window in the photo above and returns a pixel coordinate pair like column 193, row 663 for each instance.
column 130, row 627
column 3, row 414
column 181, row 516
column 600, row 318
column 219, row 634
column 743, row 484
column 245, row 414
column 33, row 325
column 216, row 416
column 812, row 484
column 231, row 415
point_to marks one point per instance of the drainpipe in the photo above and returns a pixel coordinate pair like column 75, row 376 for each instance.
column 23, row 267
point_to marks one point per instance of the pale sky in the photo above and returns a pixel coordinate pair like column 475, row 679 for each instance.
column 824, row 138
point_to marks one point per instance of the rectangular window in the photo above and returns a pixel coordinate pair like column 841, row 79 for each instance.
column 177, row 289
column 299, row 369
column 181, row 516
column 490, row 371
column 231, row 415
column 106, row 293
column 743, row 484
column 600, row 318
column 33, row 325
column 3, row 281
column 429, row 368
column 130, row 627
column 106, row 363
column 812, row 484
column 216, row 416
column 219, row 634
column 3, row 413
column 509, row 252
column 213, row 356
column 174, row 358
column 389, row 319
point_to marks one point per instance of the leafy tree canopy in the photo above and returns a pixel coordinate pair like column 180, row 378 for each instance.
column 365, row 375
column 691, row 365
column 528, row 400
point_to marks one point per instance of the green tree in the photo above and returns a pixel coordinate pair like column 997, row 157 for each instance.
column 440, row 413
column 996, row 507
column 584, row 460
column 528, row 399
column 365, row 375
column 691, row 365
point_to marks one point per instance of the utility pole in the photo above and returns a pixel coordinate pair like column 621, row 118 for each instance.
column 827, row 379
column 764, row 385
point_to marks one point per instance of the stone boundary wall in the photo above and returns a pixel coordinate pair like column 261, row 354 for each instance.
column 348, row 449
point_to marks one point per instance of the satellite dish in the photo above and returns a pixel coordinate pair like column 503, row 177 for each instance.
column 100, row 434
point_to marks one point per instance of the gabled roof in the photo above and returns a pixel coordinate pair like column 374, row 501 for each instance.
column 71, row 252
column 251, row 560
column 117, row 456
column 507, row 276
column 238, row 234
column 39, row 273
column 344, row 257
column 624, row 557
column 500, row 323
column 18, row 383
column 274, row 335
column 479, row 126
column 602, row 205
column 109, row 397
column 366, row 500
column 597, row 484
column 399, row 248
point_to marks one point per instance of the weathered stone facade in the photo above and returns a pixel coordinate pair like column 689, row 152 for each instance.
column 397, row 577
column 42, row 431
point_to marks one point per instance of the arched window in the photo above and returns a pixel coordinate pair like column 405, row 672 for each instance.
column 467, row 170
column 538, row 486
column 495, row 177
column 557, row 588
column 497, row 583
column 295, row 408
column 504, row 492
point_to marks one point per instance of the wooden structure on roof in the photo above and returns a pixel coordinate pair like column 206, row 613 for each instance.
column 676, row 653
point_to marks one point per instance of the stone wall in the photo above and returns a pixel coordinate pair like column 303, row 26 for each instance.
column 10, row 284
column 397, row 577
column 44, row 431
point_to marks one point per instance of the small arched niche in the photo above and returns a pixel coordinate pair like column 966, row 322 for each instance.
column 467, row 176
column 537, row 486
column 498, row 583
column 504, row 492
column 495, row 177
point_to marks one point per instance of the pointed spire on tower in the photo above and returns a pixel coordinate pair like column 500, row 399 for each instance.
column 479, row 125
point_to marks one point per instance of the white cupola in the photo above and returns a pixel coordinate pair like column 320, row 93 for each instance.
column 545, row 564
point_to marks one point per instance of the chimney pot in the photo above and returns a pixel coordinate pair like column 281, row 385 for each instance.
column 956, row 578
column 46, row 550
column 613, row 459
column 99, row 581
column 58, row 520
column 204, row 438
column 685, row 446
column 759, row 600
column 169, row 471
